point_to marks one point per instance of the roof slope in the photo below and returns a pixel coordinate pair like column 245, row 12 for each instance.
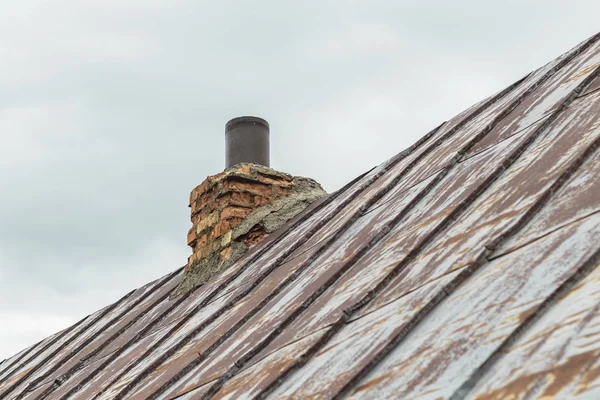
column 464, row 267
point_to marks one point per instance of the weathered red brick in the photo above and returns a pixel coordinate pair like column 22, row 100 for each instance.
column 191, row 236
column 222, row 201
column 246, row 185
column 235, row 211
column 223, row 226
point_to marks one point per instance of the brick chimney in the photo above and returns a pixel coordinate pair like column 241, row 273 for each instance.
column 233, row 210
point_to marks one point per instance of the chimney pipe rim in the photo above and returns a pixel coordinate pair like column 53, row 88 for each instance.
column 232, row 123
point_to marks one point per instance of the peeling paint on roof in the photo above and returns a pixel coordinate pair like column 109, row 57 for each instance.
column 463, row 267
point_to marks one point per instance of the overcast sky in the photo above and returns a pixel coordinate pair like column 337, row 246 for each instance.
column 111, row 111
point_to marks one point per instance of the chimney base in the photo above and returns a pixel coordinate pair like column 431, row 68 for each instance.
column 235, row 209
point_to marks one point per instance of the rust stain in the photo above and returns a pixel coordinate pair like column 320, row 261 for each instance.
column 591, row 377
column 373, row 383
column 582, row 73
column 554, row 380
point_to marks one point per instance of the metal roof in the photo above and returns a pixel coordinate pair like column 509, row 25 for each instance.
column 463, row 267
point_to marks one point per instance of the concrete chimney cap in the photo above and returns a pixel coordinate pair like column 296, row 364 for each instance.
column 245, row 119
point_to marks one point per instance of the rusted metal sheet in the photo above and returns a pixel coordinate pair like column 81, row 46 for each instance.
column 556, row 358
column 507, row 200
column 58, row 389
column 446, row 347
column 32, row 393
column 195, row 394
column 372, row 268
column 334, row 365
column 359, row 279
column 145, row 310
column 102, row 380
column 446, row 197
column 385, row 257
column 367, row 226
column 124, row 351
column 581, row 195
column 398, row 176
column 251, row 381
column 176, row 360
column 270, row 281
column 152, row 314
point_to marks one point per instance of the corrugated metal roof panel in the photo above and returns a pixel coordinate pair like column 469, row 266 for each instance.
column 556, row 357
column 446, row 348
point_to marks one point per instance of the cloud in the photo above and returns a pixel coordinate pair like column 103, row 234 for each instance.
column 43, row 130
column 357, row 40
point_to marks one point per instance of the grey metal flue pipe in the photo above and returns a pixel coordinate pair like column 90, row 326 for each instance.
column 247, row 140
